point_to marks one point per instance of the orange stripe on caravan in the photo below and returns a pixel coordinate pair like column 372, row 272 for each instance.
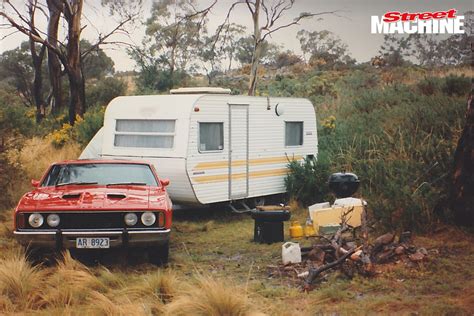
column 239, row 163
column 237, row 176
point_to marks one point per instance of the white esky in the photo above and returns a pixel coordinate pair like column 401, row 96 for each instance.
column 352, row 23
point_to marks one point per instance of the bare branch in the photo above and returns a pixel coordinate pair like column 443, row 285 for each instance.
column 102, row 39
column 296, row 22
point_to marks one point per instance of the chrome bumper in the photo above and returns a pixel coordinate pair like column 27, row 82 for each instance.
column 67, row 238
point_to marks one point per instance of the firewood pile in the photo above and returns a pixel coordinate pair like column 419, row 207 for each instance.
column 349, row 251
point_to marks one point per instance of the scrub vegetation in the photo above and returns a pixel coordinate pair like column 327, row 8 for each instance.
column 398, row 137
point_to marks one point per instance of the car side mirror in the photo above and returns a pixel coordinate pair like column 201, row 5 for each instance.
column 35, row 183
column 165, row 182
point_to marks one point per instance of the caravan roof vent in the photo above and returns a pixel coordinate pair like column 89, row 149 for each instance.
column 200, row 90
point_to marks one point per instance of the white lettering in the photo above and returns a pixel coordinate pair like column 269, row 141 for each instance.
column 434, row 26
column 377, row 25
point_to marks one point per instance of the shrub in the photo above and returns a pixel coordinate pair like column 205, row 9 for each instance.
column 61, row 136
column 85, row 128
column 104, row 90
column 457, row 85
column 429, row 85
column 306, row 182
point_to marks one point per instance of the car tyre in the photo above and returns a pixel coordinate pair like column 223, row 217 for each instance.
column 159, row 255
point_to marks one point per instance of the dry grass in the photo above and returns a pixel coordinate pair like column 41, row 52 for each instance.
column 34, row 158
column 211, row 297
column 69, row 284
column 20, row 283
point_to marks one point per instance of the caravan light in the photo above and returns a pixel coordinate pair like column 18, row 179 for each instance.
column 196, row 108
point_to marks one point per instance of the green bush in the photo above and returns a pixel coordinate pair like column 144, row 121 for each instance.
column 307, row 182
column 104, row 90
column 86, row 128
column 457, row 85
column 401, row 148
column 429, row 85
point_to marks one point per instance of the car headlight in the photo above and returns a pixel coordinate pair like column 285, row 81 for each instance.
column 36, row 220
column 131, row 219
column 53, row 220
column 148, row 218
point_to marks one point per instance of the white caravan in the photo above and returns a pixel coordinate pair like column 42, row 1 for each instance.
column 213, row 146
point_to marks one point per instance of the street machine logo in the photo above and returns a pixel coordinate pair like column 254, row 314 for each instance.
column 440, row 22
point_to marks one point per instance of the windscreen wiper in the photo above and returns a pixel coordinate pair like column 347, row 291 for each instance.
column 126, row 183
column 74, row 183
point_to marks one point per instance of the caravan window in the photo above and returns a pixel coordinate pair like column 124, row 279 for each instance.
column 145, row 133
column 293, row 133
column 211, row 136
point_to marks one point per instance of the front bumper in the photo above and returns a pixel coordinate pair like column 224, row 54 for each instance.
column 66, row 239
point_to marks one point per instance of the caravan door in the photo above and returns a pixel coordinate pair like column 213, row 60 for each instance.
column 238, row 151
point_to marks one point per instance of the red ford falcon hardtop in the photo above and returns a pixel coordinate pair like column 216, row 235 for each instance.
column 95, row 204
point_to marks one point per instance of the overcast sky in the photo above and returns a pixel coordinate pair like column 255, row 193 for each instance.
column 352, row 25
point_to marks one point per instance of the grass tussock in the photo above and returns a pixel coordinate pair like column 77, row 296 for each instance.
column 100, row 304
column 161, row 287
column 20, row 283
column 210, row 297
column 69, row 284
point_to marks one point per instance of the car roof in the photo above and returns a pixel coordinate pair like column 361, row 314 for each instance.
column 100, row 161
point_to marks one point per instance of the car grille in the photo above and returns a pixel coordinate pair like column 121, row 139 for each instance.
column 89, row 220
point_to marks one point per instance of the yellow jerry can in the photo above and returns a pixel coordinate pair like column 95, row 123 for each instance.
column 296, row 230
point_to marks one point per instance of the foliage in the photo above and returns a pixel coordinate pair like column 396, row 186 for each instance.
column 398, row 135
column 103, row 91
column 16, row 70
column 329, row 123
column 82, row 132
column 395, row 50
column 86, row 128
column 61, row 136
column 245, row 47
column 325, row 50
column 457, row 85
column 285, row 59
column 15, row 126
column 169, row 45
column 96, row 64
column 306, row 182
column 429, row 85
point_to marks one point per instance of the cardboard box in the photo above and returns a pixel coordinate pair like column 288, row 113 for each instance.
column 332, row 216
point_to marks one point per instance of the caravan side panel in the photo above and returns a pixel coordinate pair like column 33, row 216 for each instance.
column 265, row 165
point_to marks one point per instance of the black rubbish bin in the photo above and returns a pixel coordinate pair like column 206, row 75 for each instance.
column 269, row 225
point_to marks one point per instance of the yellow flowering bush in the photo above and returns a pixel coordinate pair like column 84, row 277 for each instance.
column 61, row 136
column 329, row 123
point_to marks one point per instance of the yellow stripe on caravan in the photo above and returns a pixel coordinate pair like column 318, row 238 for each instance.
column 237, row 176
column 239, row 163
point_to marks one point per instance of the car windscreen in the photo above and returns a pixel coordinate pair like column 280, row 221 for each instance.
column 100, row 173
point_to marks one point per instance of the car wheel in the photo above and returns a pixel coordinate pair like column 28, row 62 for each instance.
column 159, row 255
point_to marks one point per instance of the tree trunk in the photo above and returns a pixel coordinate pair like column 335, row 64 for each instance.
column 55, row 8
column 462, row 191
column 37, row 61
column 38, row 80
column 73, row 13
column 256, row 49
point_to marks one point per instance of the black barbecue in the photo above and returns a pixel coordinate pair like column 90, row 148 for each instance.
column 343, row 184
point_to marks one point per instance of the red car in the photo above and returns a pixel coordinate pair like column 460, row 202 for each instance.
column 96, row 204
